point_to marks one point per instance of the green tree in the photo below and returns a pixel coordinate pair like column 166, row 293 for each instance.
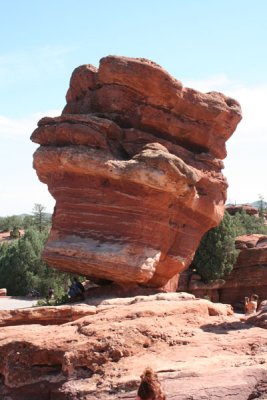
column 22, row 268
column 15, row 233
column 261, row 205
column 40, row 218
column 28, row 221
column 10, row 222
column 216, row 253
column 245, row 224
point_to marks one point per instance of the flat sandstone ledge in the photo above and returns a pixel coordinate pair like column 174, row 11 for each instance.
column 179, row 303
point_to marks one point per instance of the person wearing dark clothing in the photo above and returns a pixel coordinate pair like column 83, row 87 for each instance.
column 76, row 290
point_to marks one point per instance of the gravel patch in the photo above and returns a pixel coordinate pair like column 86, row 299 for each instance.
column 12, row 303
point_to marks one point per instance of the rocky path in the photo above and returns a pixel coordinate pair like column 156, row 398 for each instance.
column 12, row 303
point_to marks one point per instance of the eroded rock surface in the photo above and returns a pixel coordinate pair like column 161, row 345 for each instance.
column 134, row 163
column 200, row 350
column 45, row 315
column 260, row 318
column 249, row 275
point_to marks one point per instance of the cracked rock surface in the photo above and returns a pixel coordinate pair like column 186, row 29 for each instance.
column 200, row 350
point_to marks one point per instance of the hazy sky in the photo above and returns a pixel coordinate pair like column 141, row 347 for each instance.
column 207, row 44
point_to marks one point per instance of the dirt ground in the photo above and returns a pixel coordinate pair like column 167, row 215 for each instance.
column 12, row 303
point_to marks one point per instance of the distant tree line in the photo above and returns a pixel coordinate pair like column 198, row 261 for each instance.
column 38, row 219
column 21, row 266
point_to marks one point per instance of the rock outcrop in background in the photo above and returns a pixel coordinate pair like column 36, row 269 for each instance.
column 134, row 163
column 249, row 275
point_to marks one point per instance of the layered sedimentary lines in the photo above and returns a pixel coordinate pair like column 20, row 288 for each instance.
column 134, row 163
column 249, row 274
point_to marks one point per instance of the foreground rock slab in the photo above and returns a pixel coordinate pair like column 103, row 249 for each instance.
column 134, row 163
column 200, row 350
column 53, row 315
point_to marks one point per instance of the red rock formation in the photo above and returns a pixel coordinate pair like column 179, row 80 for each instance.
column 200, row 350
column 249, row 275
column 247, row 208
column 55, row 315
column 259, row 319
column 134, row 164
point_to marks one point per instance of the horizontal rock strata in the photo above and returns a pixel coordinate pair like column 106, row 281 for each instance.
column 55, row 315
column 134, row 163
column 249, row 275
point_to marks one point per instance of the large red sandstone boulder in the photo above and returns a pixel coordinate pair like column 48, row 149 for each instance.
column 134, row 163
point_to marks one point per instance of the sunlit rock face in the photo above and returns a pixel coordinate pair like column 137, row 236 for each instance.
column 134, row 164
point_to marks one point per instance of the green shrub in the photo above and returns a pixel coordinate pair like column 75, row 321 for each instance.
column 216, row 253
column 22, row 268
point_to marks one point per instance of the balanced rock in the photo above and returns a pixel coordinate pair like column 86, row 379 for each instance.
column 134, row 163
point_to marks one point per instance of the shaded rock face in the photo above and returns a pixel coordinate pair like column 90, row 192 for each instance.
column 199, row 349
column 134, row 163
column 249, row 275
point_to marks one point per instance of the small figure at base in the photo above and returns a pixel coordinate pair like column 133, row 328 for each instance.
column 150, row 388
column 50, row 294
column 76, row 290
column 251, row 304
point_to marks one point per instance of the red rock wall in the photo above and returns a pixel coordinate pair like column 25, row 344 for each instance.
column 134, row 163
column 249, row 275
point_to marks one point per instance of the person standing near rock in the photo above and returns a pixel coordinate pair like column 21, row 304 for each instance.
column 150, row 388
column 251, row 305
column 76, row 290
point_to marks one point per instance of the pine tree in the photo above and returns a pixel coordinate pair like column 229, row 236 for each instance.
column 22, row 268
column 216, row 253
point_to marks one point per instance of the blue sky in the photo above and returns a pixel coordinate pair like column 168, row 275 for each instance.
column 207, row 44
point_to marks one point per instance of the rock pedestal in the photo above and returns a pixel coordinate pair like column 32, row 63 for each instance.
column 134, row 163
